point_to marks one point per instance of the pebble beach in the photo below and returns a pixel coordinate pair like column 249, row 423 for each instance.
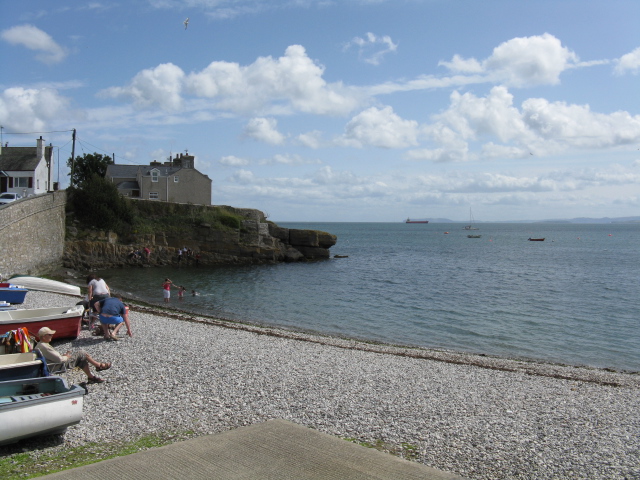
column 477, row 416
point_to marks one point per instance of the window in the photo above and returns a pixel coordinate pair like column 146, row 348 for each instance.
column 154, row 175
column 21, row 182
column 153, row 196
column 176, row 178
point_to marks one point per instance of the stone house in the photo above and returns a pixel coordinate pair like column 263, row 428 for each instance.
column 26, row 170
column 175, row 181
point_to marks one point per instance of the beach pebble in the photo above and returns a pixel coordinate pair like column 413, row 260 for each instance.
column 479, row 417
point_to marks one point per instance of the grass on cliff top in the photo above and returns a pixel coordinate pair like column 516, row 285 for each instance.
column 151, row 217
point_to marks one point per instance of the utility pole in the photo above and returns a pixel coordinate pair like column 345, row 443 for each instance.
column 73, row 155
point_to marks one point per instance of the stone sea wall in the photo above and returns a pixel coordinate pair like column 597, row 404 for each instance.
column 256, row 242
column 32, row 233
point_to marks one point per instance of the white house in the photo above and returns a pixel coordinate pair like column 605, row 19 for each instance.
column 26, row 170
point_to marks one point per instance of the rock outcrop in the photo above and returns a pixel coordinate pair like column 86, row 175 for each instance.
column 255, row 242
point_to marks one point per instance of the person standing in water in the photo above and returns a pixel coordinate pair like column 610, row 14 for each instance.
column 167, row 289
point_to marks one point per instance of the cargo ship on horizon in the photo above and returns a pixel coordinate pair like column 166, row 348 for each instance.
column 408, row 220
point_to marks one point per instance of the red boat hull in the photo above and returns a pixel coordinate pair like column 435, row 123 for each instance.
column 66, row 325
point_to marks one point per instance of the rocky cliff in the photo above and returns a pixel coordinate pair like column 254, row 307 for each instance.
column 256, row 241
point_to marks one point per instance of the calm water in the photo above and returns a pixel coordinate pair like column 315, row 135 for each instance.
column 571, row 299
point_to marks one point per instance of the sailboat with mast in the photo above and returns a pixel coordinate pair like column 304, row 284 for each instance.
column 471, row 222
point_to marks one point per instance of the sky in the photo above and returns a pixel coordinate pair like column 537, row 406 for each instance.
column 343, row 110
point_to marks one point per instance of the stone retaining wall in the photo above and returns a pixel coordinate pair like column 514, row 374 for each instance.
column 32, row 234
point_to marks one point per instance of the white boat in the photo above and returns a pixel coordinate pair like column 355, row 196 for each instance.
column 38, row 406
column 14, row 366
column 471, row 221
column 46, row 285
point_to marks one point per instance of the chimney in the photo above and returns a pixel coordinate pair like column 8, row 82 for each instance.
column 40, row 148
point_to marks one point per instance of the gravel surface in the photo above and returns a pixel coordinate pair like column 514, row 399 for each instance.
column 480, row 417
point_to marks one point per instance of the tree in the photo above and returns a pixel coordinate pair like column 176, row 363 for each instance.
column 97, row 203
column 87, row 165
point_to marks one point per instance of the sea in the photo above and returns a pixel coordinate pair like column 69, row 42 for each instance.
column 571, row 299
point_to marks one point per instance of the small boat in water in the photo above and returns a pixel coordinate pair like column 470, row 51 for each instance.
column 536, row 239
column 38, row 406
column 474, row 236
column 12, row 294
column 46, row 285
column 64, row 320
column 471, row 225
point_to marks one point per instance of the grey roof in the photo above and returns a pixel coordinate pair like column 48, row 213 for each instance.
column 20, row 158
column 129, row 171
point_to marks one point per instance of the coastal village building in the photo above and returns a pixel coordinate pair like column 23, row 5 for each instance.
column 26, row 170
column 175, row 181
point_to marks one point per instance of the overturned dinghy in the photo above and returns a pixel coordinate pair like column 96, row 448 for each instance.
column 46, row 285
column 38, row 406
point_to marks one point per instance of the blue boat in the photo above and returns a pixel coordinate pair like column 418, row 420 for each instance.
column 14, row 366
column 12, row 293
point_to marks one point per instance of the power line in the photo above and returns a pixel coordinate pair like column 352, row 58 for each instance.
column 36, row 133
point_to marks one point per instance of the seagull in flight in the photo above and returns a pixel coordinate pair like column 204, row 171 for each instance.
column 186, row 23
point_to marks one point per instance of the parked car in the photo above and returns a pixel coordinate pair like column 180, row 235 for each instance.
column 9, row 197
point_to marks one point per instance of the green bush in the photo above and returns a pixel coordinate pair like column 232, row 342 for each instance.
column 97, row 204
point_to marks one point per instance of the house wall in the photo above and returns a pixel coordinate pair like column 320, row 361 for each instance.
column 191, row 187
column 32, row 234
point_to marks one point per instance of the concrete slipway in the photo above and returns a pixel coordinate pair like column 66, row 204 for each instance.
column 276, row 449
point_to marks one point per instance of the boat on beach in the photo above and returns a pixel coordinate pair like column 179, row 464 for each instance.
column 64, row 320
column 46, row 285
column 13, row 294
column 14, row 366
column 32, row 407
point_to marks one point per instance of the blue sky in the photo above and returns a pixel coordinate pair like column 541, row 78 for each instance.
column 352, row 110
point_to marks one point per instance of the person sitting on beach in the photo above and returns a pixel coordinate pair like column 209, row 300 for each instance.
column 80, row 359
column 113, row 312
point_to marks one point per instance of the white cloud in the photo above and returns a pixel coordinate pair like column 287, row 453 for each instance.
column 519, row 62
column 292, row 82
column 29, row 109
column 311, row 139
column 369, row 47
column 33, row 38
column 577, row 126
column 233, row 161
column 538, row 126
column 462, row 65
column 160, row 86
column 264, row 130
column 528, row 61
column 629, row 62
column 245, row 177
column 289, row 159
column 380, row 128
